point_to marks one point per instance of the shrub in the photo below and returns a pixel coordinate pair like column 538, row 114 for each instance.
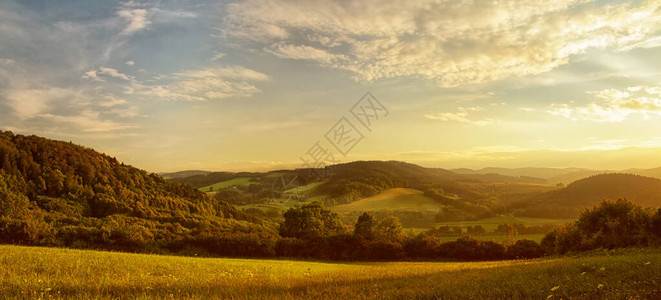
column 525, row 249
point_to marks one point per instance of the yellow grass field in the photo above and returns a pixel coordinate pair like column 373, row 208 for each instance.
column 47, row 273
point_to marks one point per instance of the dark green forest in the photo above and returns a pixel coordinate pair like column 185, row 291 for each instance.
column 60, row 194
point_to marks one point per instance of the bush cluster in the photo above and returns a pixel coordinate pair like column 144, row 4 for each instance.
column 611, row 224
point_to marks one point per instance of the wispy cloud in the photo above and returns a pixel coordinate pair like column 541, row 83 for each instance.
column 303, row 52
column 33, row 102
column 136, row 18
column 461, row 116
column 614, row 105
column 82, row 111
column 7, row 61
column 101, row 72
column 451, row 43
column 218, row 56
column 87, row 121
column 206, row 84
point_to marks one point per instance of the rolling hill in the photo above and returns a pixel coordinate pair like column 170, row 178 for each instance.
column 412, row 207
column 555, row 175
column 458, row 197
column 397, row 199
column 461, row 194
column 60, row 194
column 543, row 173
column 450, row 196
column 355, row 180
column 587, row 192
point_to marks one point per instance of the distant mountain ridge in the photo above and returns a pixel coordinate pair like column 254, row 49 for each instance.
column 557, row 175
column 544, row 173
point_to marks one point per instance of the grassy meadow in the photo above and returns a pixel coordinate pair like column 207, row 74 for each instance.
column 33, row 272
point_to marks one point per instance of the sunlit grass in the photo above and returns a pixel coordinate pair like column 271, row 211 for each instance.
column 30, row 272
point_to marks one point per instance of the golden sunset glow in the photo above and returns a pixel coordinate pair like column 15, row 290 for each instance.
column 252, row 85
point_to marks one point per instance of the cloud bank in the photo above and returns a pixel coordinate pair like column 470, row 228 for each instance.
column 451, row 43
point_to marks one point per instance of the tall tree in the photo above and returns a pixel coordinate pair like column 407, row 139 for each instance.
column 365, row 227
column 389, row 229
column 309, row 221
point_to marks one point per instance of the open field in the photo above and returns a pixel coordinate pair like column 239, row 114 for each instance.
column 32, row 272
column 241, row 181
column 393, row 199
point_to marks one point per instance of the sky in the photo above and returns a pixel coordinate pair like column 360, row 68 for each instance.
column 268, row 84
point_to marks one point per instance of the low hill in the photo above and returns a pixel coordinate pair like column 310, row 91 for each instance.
column 543, row 173
column 412, row 207
column 58, row 193
column 574, row 176
column 587, row 192
column 554, row 175
column 356, row 180
column 654, row 172
column 398, row 199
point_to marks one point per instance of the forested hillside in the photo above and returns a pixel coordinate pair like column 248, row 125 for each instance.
column 570, row 201
column 456, row 196
column 58, row 193
column 355, row 180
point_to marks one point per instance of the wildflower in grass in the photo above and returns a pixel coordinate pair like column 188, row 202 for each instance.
column 555, row 288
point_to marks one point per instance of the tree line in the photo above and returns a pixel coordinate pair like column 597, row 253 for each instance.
column 312, row 231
